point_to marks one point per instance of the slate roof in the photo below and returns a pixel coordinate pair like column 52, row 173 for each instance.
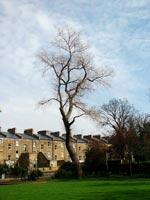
column 48, row 137
column 25, row 136
column 10, row 135
column 2, row 136
column 56, row 138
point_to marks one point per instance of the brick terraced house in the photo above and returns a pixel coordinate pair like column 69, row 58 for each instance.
column 45, row 150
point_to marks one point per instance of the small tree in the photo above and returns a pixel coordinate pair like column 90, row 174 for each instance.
column 96, row 158
column 73, row 76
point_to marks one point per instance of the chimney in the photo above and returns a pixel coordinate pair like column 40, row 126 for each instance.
column 64, row 135
column 56, row 134
column 29, row 131
column 12, row 130
column 79, row 136
column 44, row 132
column 97, row 136
column 88, row 137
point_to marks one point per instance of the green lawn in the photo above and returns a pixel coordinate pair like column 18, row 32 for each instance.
column 94, row 189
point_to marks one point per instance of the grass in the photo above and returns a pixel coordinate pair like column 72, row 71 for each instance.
column 91, row 189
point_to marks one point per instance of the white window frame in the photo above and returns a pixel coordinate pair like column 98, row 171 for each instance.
column 9, row 157
column 34, row 144
column 25, row 147
column 49, row 143
column 62, row 154
column 17, row 143
column 55, row 157
column 80, row 157
column 48, row 154
column 1, row 141
column 9, row 146
column 17, row 154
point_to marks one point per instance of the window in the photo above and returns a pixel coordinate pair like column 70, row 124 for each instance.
column 9, row 146
column 55, row 157
column 9, row 157
column 25, row 147
column 17, row 143
column 62, row 154
column 42, row 146
column 34, row 144
column 55, row 147
column 79, row 148
column 49, row 154
column 17, row 154
column 80, row 157
column 1, row 141
column 49, row 144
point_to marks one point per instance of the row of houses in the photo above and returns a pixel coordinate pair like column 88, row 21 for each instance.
column 44, row 149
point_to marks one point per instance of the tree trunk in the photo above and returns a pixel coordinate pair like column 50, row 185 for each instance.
column 72, row 153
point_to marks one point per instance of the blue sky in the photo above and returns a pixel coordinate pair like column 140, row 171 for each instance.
column 118, row 32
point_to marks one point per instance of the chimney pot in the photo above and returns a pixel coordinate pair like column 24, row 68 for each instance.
column 12, row 130
column 88, row 137
column 29, row 131
column 97, row 136
column 79, row 136
column 44, row 132
column 56, row 134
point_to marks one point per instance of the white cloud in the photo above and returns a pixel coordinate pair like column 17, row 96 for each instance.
column 115, row 30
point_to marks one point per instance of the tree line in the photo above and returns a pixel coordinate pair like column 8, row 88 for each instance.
column 129, row 138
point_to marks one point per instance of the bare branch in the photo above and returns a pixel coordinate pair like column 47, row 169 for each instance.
column 42, row 102
column 74, row 118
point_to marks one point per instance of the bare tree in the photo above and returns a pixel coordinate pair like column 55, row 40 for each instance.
column 73, row 76
column 120, row 116
column 117, row 114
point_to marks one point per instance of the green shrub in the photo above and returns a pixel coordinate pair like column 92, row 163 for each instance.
column 34, row 175
column 4, row 168
column 67, row 170
column 19, row 171
column 39, row 173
